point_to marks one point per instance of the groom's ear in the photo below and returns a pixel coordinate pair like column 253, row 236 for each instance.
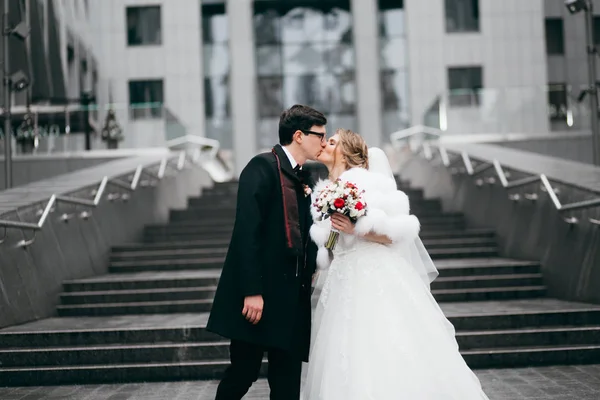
column 297, row 136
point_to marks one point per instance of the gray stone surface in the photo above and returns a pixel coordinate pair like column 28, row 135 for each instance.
column 158, row 321
column 30, row 168
column 548, row 383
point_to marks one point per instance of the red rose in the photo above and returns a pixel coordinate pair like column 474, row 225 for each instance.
column 339, row 203
column 359, row 206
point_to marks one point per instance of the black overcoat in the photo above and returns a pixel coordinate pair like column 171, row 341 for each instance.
column 259, row 262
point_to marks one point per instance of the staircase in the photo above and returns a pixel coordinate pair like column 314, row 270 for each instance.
column 146, row 319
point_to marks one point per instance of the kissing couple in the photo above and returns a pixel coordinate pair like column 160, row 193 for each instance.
column 377, row 332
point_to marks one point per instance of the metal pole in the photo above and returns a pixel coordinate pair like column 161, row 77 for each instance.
column 592, row 91
column 5, row 81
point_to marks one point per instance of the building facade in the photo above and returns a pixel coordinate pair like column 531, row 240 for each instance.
column 59, row 60
column 225, row 69
column 567, row 65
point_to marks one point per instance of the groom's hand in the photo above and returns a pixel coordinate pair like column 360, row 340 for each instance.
column 253, row 307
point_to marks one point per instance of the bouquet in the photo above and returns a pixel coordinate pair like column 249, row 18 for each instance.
column 344, row 198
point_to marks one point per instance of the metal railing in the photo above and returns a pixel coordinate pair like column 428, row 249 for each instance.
column 98, row 193
column 424, row 146
column 178, row 162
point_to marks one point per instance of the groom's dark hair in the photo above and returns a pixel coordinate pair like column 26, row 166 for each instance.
column 298, row 117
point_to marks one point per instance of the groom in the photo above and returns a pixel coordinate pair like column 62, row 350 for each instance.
column 262, row 302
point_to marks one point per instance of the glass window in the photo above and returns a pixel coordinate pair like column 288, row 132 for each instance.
column 462, row 15
column 302, row 25
column 269, row 60
column 393, row 76
column 394, row 90
column 393, row 53
column 305, row 55
column 270, row 96
column 216, row 61
column 392, row 18
column 216, row 97
column 338, row 57
column 303, row 89
column 143, row 26
column 301, row 59
column 146, row 98
column 464, row 84
column 267, row 27
column 555, row 40
column 557, row 101
column 215, row 28
column 597, row 31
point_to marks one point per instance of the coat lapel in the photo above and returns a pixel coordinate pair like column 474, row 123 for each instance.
column 303, row 201
column 286, row 167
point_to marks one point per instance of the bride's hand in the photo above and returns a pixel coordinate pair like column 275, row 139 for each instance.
column 342, row 223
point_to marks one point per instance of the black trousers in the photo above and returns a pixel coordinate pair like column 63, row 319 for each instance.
column 246, row 359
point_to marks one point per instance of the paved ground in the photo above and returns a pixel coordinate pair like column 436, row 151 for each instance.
column 548, row 383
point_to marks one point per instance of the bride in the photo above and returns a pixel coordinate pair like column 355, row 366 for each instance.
column 378, row 333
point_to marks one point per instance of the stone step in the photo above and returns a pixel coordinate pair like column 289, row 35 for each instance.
column 182, row 306
column 218, row 242
column 188, row 249
column 442, row 288
column 114, row 372
column 533, row 356
column 139, row 295
column 465, row 272
column 540, row 342
column 213, row 368
column 183, row 289
column 484, row 266
column 487, row 281
column 463, row 252
column 114, row 354
column 192, row 228
column 489, row 293
column 426, row 233
column 145, row 280
column 528, row 337
column 455, row 233
column 477, row 325
column 538, row 316
column 475, row 241
column 179, row 253
column 124, row 329
column 221, row 223
column 205, row 219
column 150, row 307
column 203, row 214
column 166, row 265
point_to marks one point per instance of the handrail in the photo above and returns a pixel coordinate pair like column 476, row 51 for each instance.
column 472, row 171
column 226, row 171
column 98, row 193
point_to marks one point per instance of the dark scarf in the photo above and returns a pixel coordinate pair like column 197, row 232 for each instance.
column 291, row 215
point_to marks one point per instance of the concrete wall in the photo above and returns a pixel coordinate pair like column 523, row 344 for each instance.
column 27, row 169
column 569, row 254
column 575, row 149
column 31, row 279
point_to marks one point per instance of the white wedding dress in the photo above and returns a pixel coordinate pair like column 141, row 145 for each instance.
column 378, row 333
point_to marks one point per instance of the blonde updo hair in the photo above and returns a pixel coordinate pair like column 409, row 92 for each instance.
column 353, row 148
